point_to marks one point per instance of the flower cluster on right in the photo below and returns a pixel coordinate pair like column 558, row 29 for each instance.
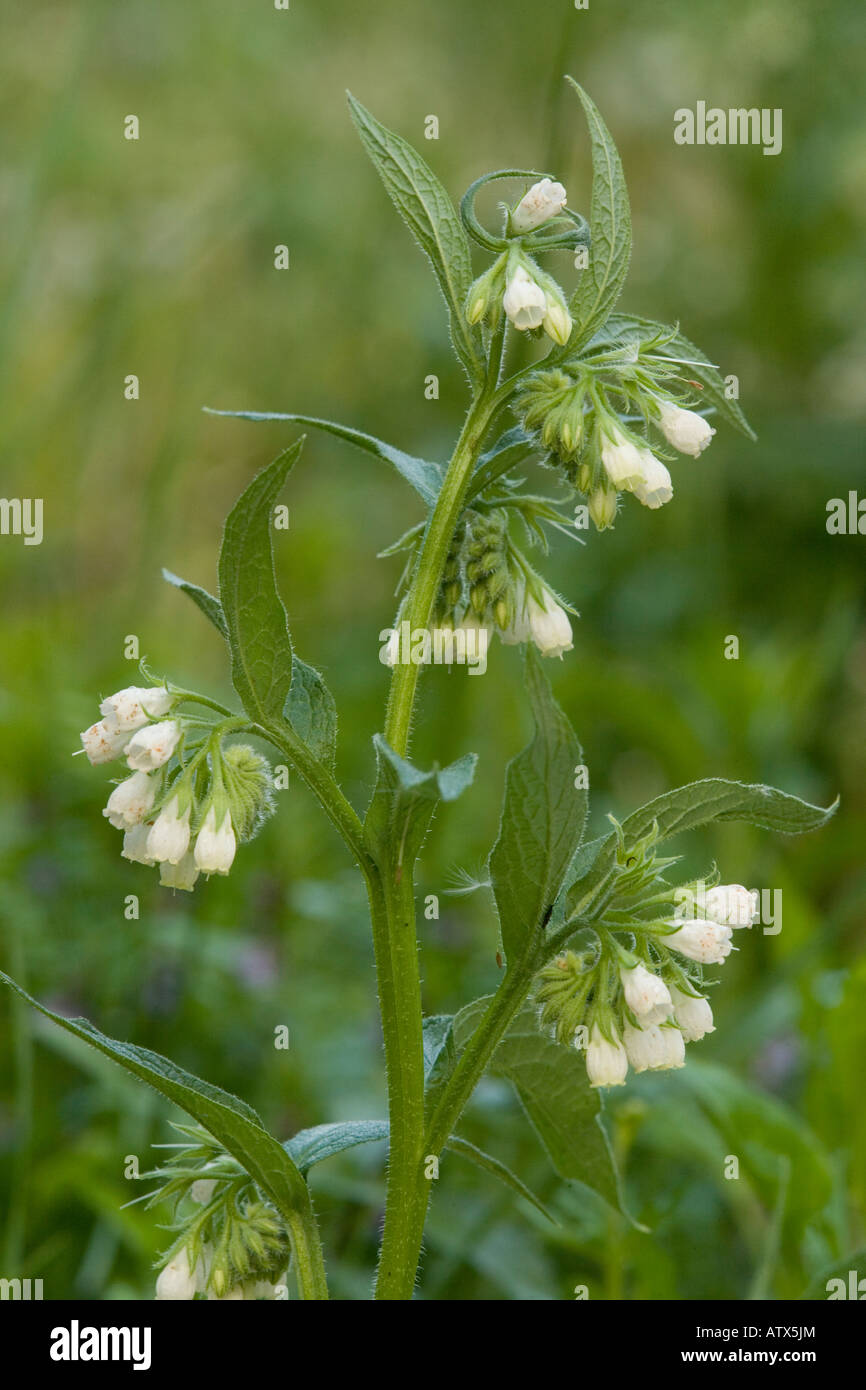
column 635, row 994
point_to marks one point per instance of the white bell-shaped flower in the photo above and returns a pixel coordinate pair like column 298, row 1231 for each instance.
column 152, row 746
column 542, row 201
column 685, row 429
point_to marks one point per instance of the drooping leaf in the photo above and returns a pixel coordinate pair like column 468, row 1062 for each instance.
column 554, row 1090
column 209, row 605
column 230, row 1120
column 424, row 476
column 543, row 816
column 311, row 1146
column 610, row 227
column 311, row 711
column 258, row 632
column 432, row 219
column 713, row 798
column 500, row 1170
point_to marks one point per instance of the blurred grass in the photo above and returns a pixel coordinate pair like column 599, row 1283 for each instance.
column 155, row 257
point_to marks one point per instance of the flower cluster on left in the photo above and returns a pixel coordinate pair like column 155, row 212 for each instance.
column 190, row 797
column 231, row 1245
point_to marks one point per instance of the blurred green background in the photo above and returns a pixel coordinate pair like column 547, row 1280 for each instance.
column 155, row 257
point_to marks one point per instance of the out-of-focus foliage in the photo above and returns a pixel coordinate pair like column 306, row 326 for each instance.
column 155, row 257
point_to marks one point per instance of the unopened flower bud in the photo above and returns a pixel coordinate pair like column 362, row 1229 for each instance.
column 730, row 904
column 606, row 1062
column 525, row 302
column 700, row 940
column 130, row 801
column 602, row 508
column 168, row 840
column 685, row 429
column 549, row 626
column 647, row 996
column 215, row 844
column 621, row 459
column 153, row 745
column 177, row 1281
column 557, row 320
column 542, row 201
column 694, row 1016
column 132, row 707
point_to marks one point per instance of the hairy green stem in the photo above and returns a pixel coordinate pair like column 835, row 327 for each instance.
column 434, row 552
column 475, row 1056
column 324, row 787
column 309, row 1261
column 392, row 910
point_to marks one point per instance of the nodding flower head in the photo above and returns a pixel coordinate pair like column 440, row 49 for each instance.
column 634, row 994
column 684, row 429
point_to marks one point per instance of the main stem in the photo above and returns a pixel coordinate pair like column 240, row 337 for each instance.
column 392, row 898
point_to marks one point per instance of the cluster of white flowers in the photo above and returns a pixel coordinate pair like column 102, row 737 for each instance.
column 632, row 467
column 157, row 820
column 179, row 1282
column 661, row 1018
column 529, row 298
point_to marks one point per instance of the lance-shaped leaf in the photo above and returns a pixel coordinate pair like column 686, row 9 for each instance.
column 258, row 631
column 405, row 798
column 311, row 711
column 425, row 477
column 543, row 815
column 310, row 1146
column 432, row 219
column 231, row 1121
column 712, row 799
column 209, row 605
column 554, row 1090
column 488, row 1164
column 610, row 227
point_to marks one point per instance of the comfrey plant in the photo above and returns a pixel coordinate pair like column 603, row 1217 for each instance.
column 603, row 955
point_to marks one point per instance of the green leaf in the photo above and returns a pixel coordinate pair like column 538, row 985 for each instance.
column 440, row 1055
column 405, row 798
column 310, row 1146
column 432, row 219
column 424, row 476
column 554, row 1090
column 543, row 815
column 770, row 1141
column 311, row 711
column 712, row 799
column 500, row 1170
column 626, row 328
column 258, row 631
column 232, row 1122
column 610, row 228
column 210, row 606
